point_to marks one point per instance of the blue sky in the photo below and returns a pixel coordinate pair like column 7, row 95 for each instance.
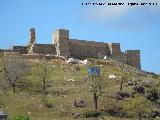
column 136, row 27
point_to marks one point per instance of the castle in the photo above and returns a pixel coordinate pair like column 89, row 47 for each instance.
column 64, row 46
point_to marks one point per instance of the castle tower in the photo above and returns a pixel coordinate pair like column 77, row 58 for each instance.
column 114, row 49
column 32, row 36
column 61, row 41
column 133, row 58
column 32, row 40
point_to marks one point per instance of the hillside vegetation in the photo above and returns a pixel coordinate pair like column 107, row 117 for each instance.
column 54, row 90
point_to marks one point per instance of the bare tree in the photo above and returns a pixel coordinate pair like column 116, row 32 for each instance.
column 120, row 64
column 96, row 84
column 44, row 69
column 13, row 68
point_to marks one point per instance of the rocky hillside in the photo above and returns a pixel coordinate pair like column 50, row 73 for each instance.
column 55, row 90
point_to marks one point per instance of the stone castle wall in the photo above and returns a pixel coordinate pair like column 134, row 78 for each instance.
column 115, row 49
column 20, row 49
column 82, row 48
column 44, row 49
column 64, row 46
column 61, row 42
column 133, row 58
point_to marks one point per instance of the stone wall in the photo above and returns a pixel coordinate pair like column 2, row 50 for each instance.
column 61, row 42
column 133, row 58
column 6, row 50
column 82, row 48
column 20, row 49
column 44, row 49
column 115, row 49
column 64, row 46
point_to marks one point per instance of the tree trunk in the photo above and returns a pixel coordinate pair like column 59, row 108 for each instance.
column 95, row 101
column 14, row 88
column 139, row 116
column 121, row 86
column 44, row 86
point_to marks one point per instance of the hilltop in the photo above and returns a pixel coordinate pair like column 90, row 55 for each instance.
column 68, row 95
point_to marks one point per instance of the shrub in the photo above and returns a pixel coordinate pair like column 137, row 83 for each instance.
column 120, row 95
column 154, row 114
column 113, row 107
column 48, row 103
column 137, row 107
column 152, row 94
column 19, row 117
column 92, row 114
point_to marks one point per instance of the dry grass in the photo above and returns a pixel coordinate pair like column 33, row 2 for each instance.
column 31, row 102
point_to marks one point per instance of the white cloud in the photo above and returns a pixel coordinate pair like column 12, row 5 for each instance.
column 107, row 14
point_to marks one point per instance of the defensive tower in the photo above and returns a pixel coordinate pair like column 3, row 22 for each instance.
column 61, row 42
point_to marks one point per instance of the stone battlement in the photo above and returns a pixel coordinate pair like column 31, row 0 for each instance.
column 63, row 45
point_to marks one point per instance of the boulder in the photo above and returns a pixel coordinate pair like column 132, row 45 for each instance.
column 130, row 83
column 139, row 89
column 112, row 76
column 73, row 61
column 120, row 95
column 80, row 103
column 84, row 62
column 152, row 94
column 77, row 68
column 77, row 61
column 50, row 106
column 49, row 96
column 76, row 115
column 154, row 114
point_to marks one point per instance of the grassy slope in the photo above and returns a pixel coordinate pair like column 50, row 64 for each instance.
column 32, row 103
